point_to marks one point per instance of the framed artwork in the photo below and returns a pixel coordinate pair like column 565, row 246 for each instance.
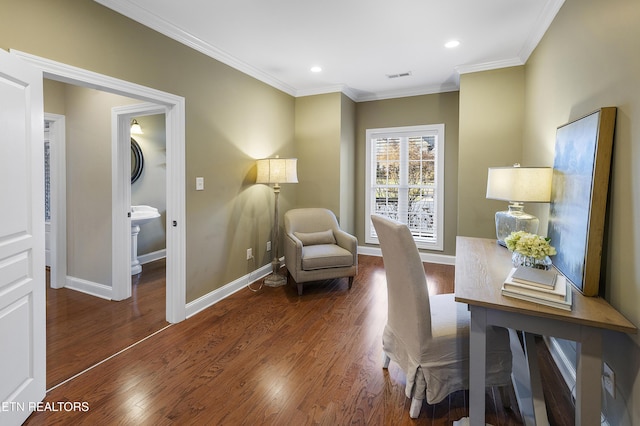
column 579, row 197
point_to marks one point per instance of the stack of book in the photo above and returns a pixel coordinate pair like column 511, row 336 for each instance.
column 539, row 286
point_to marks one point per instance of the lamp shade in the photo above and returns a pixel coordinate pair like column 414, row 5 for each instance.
column 277, row 170
column 135, row 128
column 520, row 184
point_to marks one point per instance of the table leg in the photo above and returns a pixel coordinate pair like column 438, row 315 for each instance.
column 478, row 364
column 537, row 395
column 588, row 376
column 521, row 380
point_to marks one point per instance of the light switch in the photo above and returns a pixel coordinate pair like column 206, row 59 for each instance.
column 199, row 183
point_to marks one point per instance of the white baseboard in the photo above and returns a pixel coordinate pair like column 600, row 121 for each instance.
column 426, row 257
column 150, row 257
column 227, row 290
column 566, row 367
column 89, row 287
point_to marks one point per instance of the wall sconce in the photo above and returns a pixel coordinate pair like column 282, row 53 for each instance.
column 276, row 171
column 135, row 128
column 518, row 185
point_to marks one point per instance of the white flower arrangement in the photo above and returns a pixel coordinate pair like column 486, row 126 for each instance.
column 531, row 245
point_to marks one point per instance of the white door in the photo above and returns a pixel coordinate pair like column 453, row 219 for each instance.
column 22, row 272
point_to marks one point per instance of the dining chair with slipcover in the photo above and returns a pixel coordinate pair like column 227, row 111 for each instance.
column 427, row 336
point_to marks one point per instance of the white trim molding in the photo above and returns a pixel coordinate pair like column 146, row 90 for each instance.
column 225, row 291
column 89, row 287
column 547, row 16
column 442, row 259
column 148, row 19
column 58, row 170
column 175, row 130
column 152, row 257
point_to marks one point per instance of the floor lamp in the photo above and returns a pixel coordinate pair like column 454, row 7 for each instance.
column 276, row 171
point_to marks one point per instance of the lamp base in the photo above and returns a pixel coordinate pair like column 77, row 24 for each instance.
column 515, row 219
column 275, row 280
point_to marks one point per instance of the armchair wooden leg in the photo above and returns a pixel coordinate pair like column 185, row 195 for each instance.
column 350, row 282
column 299, row 289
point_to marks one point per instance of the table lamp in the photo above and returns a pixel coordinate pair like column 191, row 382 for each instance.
column 518, row 185
column 276, row 171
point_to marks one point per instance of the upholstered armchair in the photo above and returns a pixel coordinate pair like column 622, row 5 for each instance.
column 428, row 335
column 315, row 248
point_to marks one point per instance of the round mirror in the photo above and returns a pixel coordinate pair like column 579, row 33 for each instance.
column 137, row 160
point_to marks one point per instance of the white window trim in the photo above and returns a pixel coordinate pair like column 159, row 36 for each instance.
column 370, row 236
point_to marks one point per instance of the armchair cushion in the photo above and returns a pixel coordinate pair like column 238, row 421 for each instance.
column 315, row 238
column 322, row 256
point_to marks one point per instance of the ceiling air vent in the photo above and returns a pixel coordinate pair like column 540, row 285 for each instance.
column 401, row 74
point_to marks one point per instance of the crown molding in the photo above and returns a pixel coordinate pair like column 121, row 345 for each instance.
column 343, row 88
column 548, row 14
column 148, row 19
column 545, row 19
column 405, row 93
column 487, row 66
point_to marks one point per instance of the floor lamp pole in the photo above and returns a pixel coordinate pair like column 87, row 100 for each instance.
column 275, row 279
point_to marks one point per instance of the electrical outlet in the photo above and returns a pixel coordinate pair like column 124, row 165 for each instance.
column 268, row 245
column 609, row 380
column 249, row 254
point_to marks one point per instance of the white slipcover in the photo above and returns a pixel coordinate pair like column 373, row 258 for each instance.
column 428, row 336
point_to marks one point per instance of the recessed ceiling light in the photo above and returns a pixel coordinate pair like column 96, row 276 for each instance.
column 451, row 44
column 316, row 69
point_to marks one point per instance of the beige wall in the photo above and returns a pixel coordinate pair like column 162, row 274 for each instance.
column 318, row 143
column 347, row 164
column 231, row 119
column 491, row 120
column 325, row 147
column 412, row 111
column 589, row 59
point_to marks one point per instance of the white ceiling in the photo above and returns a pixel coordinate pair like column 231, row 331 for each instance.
column 358, row 43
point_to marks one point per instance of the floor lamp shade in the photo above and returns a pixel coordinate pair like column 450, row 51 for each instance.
column 276, row 171
column 518, row 185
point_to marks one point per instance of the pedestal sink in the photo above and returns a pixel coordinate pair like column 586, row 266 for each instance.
column 139, row 216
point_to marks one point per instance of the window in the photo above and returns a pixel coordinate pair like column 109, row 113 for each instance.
column 405, row 181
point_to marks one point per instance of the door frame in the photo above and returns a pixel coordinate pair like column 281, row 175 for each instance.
column 121, row 190
column 175, row 129
column 58, row 197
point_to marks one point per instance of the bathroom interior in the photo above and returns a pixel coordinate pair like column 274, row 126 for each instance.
column 87, row 198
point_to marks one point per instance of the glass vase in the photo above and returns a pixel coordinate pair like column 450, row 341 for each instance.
column 519, row 259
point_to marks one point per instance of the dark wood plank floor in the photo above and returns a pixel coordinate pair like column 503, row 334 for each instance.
column 273, row 358
column 83, row 330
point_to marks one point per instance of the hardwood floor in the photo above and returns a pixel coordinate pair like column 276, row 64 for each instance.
column 83, row 330
column 273, row 358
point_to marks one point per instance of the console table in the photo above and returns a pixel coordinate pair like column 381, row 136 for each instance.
column 480, row 269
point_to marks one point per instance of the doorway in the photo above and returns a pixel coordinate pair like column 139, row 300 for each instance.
column 175, row 123
column 121, row 118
